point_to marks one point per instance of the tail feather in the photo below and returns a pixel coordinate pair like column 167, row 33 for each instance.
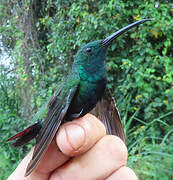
column 26, row 135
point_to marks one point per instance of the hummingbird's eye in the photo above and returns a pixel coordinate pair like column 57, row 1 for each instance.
column 88, row 50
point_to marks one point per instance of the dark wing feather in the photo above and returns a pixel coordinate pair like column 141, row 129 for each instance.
column 107, row 111
column 26, row 135
column 52, row 122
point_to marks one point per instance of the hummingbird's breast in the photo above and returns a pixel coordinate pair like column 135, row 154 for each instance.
column 90, row 91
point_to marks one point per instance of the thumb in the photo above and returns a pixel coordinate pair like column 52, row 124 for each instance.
column 78, row 136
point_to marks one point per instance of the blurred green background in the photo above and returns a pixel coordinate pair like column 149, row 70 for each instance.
column 38, row 41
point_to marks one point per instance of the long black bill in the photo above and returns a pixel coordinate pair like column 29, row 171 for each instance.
column 109, row 40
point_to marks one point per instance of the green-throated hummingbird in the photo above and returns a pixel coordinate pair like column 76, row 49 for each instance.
column 83, row 90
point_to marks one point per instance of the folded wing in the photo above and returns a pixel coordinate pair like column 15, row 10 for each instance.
column 107, row 112
column 55, row 115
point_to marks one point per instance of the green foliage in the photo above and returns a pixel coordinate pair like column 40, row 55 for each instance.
column 9, row 123
column 150, row 154
column 152, row 160
column 42, row 37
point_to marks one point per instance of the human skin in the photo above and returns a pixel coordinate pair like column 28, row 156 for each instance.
column 86, row 153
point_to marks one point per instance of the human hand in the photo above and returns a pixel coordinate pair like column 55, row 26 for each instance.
column 87, row 154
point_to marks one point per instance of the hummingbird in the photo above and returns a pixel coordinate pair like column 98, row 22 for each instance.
column 83, row 90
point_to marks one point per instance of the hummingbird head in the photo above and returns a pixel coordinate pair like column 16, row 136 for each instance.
column 94, row 53
column 91, row 53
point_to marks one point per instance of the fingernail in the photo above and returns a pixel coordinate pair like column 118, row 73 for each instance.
column 75, row 135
